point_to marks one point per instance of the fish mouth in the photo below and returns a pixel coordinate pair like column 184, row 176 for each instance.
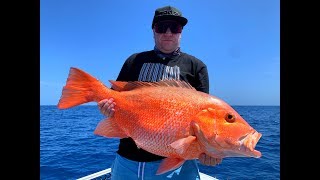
column 248, row 143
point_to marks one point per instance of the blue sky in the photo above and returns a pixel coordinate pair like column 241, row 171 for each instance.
column 238, row 40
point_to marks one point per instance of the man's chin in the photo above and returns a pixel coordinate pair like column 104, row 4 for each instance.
column 169, row 49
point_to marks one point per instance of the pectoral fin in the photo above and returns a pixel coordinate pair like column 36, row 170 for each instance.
column 109, row 128
column 169, row 164
column 183, row 144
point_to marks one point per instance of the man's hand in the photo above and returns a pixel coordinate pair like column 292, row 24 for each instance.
column 106, row 107
column 209, row 161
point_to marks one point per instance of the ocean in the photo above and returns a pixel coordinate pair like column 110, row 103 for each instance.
column 70, row 150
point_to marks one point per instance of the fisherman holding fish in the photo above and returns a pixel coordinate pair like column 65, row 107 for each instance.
column 165, row 61
column 161, row 110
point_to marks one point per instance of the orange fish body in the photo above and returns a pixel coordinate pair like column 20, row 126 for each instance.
column 160, row 117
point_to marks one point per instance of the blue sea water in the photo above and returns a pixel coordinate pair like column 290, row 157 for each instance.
column 70, row 150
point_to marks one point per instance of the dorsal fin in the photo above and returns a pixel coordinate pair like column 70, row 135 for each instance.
column 130, row 85
column 118, row 85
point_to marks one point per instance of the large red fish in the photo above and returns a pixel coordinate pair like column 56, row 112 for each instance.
column 168, row 118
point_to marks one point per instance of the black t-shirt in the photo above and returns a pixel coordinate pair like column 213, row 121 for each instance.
column 147, row 66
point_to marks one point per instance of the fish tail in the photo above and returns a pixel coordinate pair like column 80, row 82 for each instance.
column 81, row 88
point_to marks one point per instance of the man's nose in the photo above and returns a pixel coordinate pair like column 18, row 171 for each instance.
column 168, row 31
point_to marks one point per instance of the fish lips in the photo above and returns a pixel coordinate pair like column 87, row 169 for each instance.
column 244, row 147
column 248, row 144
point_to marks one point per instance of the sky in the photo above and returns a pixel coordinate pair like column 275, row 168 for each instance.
column 238, row 40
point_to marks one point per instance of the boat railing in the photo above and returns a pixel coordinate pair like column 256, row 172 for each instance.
column 106, row 175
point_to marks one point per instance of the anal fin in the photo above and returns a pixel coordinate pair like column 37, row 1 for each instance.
column 169, row 164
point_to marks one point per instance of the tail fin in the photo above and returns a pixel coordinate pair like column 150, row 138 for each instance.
column 81, row 88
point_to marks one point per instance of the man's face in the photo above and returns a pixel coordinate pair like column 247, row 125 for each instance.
column 167, row 35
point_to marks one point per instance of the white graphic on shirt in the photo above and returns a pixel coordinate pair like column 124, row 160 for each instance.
column 153, row 72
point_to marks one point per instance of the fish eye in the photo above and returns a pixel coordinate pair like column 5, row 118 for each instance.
column 230, row 118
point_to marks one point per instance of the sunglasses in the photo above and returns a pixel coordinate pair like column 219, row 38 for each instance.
column 161, row 27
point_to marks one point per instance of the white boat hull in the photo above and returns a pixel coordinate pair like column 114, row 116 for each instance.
column 107, row 175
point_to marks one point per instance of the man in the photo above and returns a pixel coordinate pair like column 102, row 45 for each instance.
column 165, row 61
